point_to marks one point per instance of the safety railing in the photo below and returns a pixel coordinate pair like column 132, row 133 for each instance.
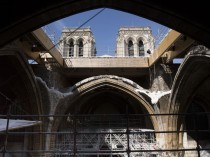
column 97, row 135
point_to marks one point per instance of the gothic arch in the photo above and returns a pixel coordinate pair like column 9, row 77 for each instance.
column 69, row 38
column 141, row 42
column 78, row 39
column 143, row 39
column 129, row 46
column 67, row 51
column 21, row 91
column 190, row 83
column 80, row 47
column 71, row 44
column 130, row 38
column 87, row 86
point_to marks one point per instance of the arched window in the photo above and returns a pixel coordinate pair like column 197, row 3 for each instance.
column 130, row 48
column 80, row 48
column 71, row 49
column 141, row 48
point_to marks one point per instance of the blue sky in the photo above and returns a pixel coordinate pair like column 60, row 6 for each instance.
column 104, row 26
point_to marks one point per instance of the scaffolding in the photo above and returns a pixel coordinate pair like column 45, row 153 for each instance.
column 105, row 135
column 108, row 142
column 99, row 136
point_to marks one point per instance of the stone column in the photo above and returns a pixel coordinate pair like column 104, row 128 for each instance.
column 76, row 48
column 136, row 50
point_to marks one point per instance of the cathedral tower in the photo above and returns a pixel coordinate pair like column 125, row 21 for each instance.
column 77, row 42
column 134, row 42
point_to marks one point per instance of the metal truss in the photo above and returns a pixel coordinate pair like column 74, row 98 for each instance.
column 109, row 142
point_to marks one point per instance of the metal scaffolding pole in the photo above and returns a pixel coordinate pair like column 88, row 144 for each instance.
column 7, row 129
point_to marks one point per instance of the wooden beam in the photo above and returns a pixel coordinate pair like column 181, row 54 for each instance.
column 26, row 48
column 109, row 62
column 179, row 48
column 167, row 42
column 43, row 39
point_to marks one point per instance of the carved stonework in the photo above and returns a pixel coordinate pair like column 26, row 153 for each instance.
column 78, row 49
column 134, row 34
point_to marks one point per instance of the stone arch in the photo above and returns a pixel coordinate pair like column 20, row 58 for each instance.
column 34, row 96
column 70, row 38
column 141, row 48
column 130, row 38
column 86, row 86
column 194, row 118
column 70, row 46
column 143, row 39
column 66, row 46
column 81, row 47
column 130, row 48
column 89, row 84
column 23, row 93
column 186, row 88
column 78, row 39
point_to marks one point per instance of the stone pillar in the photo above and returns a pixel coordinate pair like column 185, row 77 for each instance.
column 87, row 50
column 120, row 50
column 126, row 50
column 76, row 48
column 136, row 49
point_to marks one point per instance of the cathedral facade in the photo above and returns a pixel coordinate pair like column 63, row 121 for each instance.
column 134, row 42
column 131, row 42
column 77, row 42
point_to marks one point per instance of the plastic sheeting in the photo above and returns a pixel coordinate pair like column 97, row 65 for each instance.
column 16, row 124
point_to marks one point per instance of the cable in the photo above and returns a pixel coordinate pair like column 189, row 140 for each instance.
column 13, row 104
column 78, row 27
column 7, row 98
column 161, row 34
column 73, row 31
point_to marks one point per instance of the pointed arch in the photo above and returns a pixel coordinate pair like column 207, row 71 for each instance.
column 130, row 48
column 186, row 90
column 141, row 48
column 71, row 47
column 81, row 47
column 83, row 94
column 86, row 88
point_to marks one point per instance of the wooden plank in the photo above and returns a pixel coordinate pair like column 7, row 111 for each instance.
column 167, row 42
column 42, row 37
